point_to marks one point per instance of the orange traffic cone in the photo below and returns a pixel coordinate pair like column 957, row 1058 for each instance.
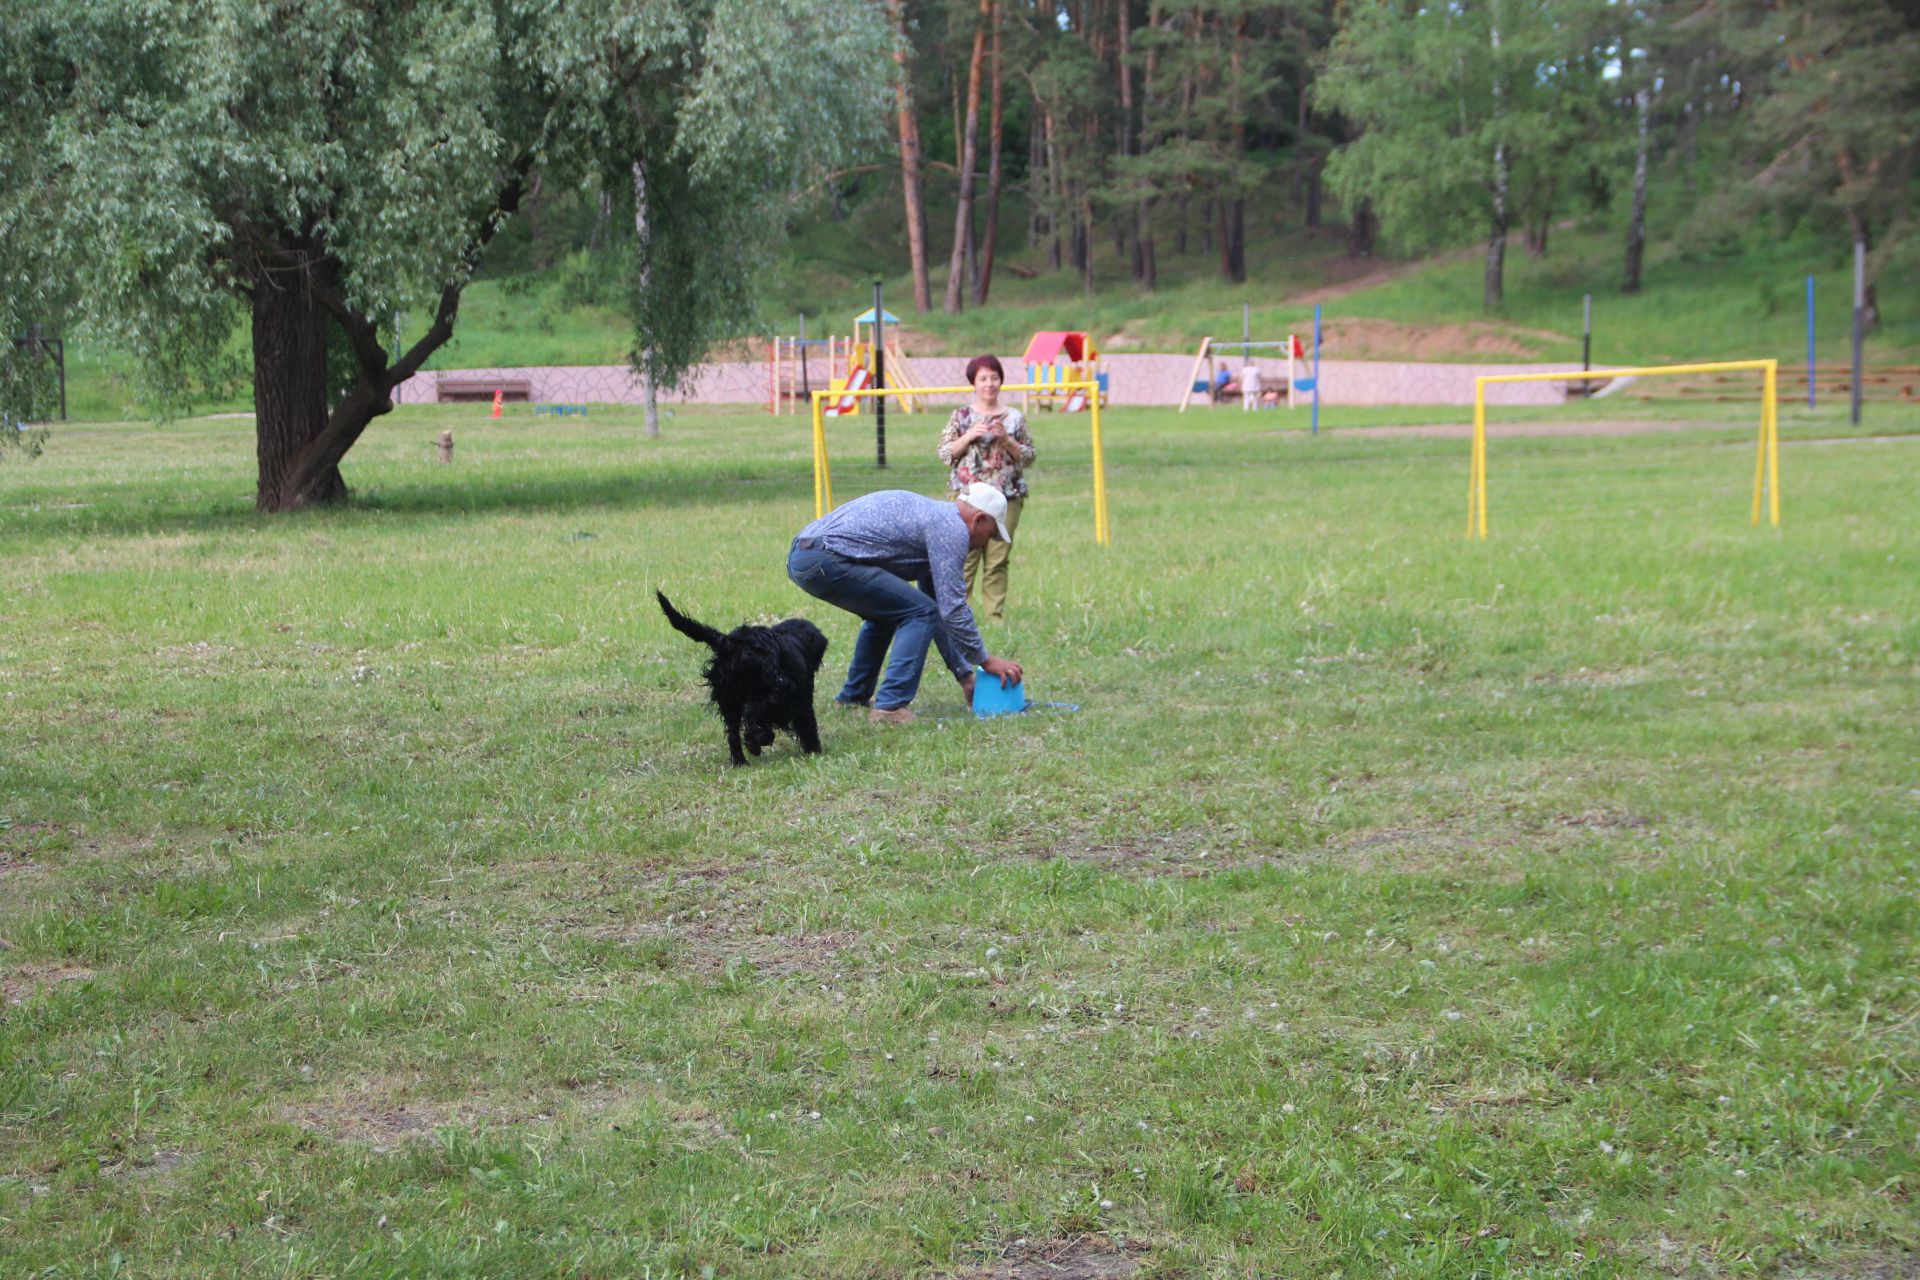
column 496, row 402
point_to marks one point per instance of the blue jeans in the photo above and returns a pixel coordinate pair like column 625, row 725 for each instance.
column 896, row 614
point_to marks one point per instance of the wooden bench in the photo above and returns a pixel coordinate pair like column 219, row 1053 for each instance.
column 456, row 390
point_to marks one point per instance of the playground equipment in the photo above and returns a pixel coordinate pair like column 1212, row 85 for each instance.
column 795, row 371
column 1766, row 462
column 1208, row 378
column 1087, row 390
column 1055, row 360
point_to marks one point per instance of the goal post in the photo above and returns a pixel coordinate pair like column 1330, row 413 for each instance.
column 823, row 474
column 1766, row 461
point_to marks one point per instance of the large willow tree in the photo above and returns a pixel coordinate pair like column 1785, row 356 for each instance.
column 332, row 171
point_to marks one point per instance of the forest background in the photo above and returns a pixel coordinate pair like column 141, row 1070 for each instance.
column 1121, row 142
column 1141, row 168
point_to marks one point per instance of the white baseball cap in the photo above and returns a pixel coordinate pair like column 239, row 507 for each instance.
column 984, row 497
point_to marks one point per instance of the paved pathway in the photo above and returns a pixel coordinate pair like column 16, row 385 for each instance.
column 1133, row 380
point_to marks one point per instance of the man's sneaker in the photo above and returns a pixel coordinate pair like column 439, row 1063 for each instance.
column 890, row 715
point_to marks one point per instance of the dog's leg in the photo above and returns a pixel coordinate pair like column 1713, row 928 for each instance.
column 733, row 737
column 807, row 729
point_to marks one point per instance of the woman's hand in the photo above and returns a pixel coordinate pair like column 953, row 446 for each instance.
column 978, row 436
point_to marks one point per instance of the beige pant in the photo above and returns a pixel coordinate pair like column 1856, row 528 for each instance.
column 994, row 556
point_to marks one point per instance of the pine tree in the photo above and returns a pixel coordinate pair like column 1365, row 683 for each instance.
column 1837, row 115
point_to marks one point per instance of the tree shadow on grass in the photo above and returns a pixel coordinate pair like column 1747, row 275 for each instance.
column 108, row 511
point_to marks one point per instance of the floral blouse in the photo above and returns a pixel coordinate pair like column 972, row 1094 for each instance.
column 997, row 463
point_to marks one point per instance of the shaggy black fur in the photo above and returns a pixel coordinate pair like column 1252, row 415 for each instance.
column 761, row 679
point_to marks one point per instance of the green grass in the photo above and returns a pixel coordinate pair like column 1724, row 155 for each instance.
column 377, row 900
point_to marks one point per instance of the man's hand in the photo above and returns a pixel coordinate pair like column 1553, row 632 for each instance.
column 1009, row 672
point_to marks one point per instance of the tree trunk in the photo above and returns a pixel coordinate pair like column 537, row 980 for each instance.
column 1305, row 162
column 649, row 396
column 1233, row 238
column 296, row 302
column 910, row 161
column 531, row 209
column 1086, row 239
column 1494, row 292
column 1862, row 236
column 1145, row 265
column 1870, row 300
column 1056, row 192
column 1036, row 171
column 969, row 149
column 1361, row 230
column 1637, row 223
column 1233, row 205
column 984, row 281
column 1136, row 219
column 290, row 395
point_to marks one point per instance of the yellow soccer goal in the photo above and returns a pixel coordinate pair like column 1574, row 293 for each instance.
column 1766, row 462
column 842, row 401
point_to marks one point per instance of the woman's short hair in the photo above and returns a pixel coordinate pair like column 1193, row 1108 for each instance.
column 975, row 365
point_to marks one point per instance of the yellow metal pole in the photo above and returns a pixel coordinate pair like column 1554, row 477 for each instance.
column 1483, row 478
column 826, row 467
column 1102, row 531
column 1473, row 460
column 1760, row 465
column 1773, row 442
column 819, row 460
column 1476, row 484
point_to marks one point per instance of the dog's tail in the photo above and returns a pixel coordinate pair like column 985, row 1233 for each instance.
column 687, row 626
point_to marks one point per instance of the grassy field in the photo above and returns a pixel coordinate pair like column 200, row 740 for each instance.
column 376, row 900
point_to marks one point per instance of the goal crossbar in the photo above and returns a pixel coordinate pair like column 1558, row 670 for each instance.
column 1766, row 461
column 823, row 475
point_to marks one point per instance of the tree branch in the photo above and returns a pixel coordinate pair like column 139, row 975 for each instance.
column 441, row 329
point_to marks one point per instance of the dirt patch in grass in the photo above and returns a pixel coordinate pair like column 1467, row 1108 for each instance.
column 382, row 1112
column 1499, row 847
column 1363, row 339
column 370, row 1124
column 1186, row 852
column 1869, row 1266
column 716, row 944
column 152, row 1164
column 16, row 866
column 1083, row 1258
column 17, row 986
column 18, row 843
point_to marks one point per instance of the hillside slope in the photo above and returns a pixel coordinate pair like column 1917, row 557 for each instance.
column 1725, row 295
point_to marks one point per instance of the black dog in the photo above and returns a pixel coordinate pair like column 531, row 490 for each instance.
column 761, row 679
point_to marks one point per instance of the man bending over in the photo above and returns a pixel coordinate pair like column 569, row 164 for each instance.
column 897, row 561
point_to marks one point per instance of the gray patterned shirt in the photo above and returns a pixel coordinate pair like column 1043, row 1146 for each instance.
column 913, row 537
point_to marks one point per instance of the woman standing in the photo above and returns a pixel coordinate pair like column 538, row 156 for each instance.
column 986, row 442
